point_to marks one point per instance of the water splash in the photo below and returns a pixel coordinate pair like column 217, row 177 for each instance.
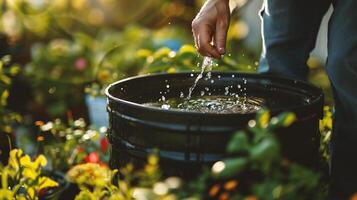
column 207, row 62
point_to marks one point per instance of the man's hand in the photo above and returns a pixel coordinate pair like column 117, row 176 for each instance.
column 210, row 28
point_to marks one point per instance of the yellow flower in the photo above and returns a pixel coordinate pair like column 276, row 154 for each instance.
column 6, row 194
column 143, row 53
column 90, row 174
column 26, row 161
column 31, row 192
column 40, row 161
column 46, row 182
column 30, row 173
column 289, row 119
column 264, row 119
column 85, row 195
column 13, row 160
column 153, row 159
column 171, row 70
column 187, row 48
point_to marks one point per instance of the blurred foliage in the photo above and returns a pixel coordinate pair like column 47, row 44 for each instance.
column 272, row 176
column 68, row 144
column 187, row 59
column 23, row 178
column 61, row 68
column 326, row 131
column 255, row 169
column 125, row 183
column 39, row 19
column 7, row 117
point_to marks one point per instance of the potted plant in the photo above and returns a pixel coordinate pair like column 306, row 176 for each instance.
column 23, row 178
column 68, row 144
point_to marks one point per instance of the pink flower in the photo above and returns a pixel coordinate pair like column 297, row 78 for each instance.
column 80, row 64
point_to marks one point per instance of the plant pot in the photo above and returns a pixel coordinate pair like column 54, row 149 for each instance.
column 96, row 109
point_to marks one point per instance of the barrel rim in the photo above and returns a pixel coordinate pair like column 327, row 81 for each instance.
column 317, row 100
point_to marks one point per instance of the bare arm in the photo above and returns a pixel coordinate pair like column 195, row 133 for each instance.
column 210, row 28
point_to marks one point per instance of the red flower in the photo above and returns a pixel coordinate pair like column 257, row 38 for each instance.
column 104, row 144
column 92, row 158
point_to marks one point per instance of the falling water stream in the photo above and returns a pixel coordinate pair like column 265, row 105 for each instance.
column 207, row 62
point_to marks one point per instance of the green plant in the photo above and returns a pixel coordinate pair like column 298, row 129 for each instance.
column 23, row 178
column 125, row 183
column 66, row 145
column 259, row 168
column 255, row 169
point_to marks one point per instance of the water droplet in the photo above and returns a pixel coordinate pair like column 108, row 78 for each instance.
column 226, row 90
column 163, row 98
column 233, row 76
column 167, row 86
column 165, row 106
column 182, row 95
column 239, row 86
column 202, row 93
column 191, row 75
column 206, row 88
column 219, row 76
column 212, row 81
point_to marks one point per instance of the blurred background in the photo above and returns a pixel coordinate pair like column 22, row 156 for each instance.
column 66, row 52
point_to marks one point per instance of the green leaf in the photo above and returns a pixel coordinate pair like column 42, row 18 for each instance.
column 233, row 167
column 266, row 150
column 238, row 143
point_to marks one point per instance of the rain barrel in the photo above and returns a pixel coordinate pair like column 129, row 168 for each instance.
column 188, row 140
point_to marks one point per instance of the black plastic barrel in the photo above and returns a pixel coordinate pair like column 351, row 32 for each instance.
column 189, row 140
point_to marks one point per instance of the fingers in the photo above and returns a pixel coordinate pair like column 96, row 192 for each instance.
column 222, row 25
column 203, row 35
